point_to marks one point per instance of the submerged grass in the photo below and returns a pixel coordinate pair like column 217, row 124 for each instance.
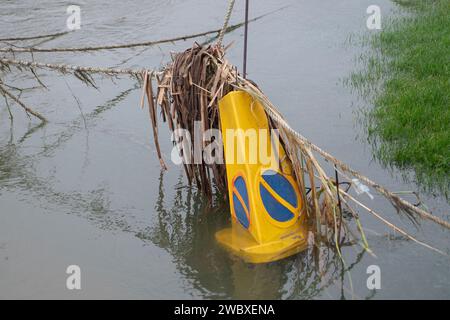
column 407, row 76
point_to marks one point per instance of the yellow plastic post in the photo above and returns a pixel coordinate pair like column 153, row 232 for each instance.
column 266, row 206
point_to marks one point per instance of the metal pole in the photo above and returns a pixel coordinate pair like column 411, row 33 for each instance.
column 339, row 202
column 246, row 37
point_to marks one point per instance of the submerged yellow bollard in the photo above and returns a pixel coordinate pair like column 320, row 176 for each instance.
column 266, row 205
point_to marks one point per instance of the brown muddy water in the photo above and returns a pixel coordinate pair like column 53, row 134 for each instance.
column 88, row 190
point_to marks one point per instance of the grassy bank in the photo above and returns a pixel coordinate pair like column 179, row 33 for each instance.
column 407, row 76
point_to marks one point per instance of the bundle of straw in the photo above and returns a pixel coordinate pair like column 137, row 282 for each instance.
column 188, row 91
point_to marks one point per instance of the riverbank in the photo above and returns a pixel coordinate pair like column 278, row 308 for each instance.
column 407, row 76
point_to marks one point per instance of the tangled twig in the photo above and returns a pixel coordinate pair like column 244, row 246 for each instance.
column 51, row 35
column 28, row 110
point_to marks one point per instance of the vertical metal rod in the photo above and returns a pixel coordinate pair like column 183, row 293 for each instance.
column 339, row 201
column 246, row 37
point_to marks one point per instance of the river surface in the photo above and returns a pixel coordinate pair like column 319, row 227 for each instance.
column 86, row 189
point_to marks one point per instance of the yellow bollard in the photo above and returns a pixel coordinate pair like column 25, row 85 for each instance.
column 266, row 206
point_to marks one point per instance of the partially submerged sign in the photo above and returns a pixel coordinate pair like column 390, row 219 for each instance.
column 265, row 202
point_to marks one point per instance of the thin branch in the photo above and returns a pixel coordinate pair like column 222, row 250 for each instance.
column 35, row 37
column 391, row 225
column 78, row 104
column 5, row 92
column 11, row 117
column 37, row 78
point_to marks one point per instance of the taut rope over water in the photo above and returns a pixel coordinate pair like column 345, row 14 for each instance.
column 51, row 35
column 276, row 116
column 226, row 21
column 66, row 68
column 219, row 32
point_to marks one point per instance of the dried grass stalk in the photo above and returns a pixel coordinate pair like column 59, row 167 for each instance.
column 188, row 91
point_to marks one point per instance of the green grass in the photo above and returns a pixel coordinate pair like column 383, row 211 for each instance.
column 407, row 75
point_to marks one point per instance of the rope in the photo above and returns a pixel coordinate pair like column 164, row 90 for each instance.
column 226, row 21
column 131, row 45
column 273, row 114
column 35, row 37
column 128, row 45
column 358, row 175
column 110, row 47
column 72, row 68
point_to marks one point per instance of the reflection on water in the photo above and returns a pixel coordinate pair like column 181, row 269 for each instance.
column 18, row 172
column 185, row 227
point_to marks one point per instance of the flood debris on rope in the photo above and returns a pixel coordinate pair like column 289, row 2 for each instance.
column 189, row 89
